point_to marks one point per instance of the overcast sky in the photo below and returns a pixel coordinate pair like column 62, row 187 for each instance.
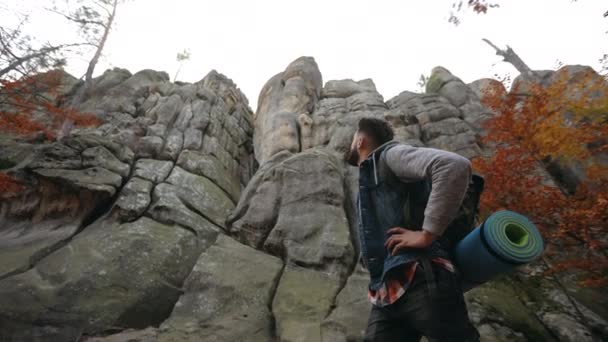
column 392, row 42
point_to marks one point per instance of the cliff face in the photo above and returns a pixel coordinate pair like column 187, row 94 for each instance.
column 185, row 217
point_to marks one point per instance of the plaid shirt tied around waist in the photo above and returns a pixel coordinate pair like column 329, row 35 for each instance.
column 398, row 280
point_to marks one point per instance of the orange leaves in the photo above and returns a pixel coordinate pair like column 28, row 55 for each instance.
column 596, row 275
column 478, row 6
column 9, row 186
column 567, row 121
column 21, row 124
column 560, row 120
column 513, row 182
column 21, row 101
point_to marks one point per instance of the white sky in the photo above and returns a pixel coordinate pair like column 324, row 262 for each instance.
column 391, row 41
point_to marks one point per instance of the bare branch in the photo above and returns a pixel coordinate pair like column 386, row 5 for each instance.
column 102, row 6
column 511, row 57
column 42, row 52
column 80, row 21
column 19, row 61
column 5, row 46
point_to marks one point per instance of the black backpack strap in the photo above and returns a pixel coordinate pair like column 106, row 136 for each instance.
column 478, row 184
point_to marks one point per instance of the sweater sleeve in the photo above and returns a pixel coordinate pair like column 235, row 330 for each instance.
column 449, row 173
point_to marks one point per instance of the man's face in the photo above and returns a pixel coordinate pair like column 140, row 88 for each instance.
column 352, row 157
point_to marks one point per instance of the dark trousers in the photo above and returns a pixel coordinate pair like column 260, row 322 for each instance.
column 439, row 314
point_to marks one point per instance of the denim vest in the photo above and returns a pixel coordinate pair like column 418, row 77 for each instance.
column 385, row 202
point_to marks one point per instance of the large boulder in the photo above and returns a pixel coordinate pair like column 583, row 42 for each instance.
column 65, row 185
column 488, row 87
column 431, row 120
column 304, row 298
column 306, row 191
column 113, row 218
column 334, row 120
column 348, row 319
column 109, row 275
column 226, row 296
column 282, row 100
column 462, row 96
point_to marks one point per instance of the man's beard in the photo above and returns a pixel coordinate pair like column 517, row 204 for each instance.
column 352, row 157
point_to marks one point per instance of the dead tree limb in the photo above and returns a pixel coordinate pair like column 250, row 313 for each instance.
column 511, row 57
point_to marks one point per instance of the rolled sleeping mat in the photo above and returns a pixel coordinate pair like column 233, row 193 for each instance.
column 502, row 242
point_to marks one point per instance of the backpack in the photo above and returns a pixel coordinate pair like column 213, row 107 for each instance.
column 466, row 217
column 468, row 212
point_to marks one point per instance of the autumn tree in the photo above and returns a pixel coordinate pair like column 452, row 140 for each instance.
column 24, row 87
column 28, row 107
column 22, row 54
column 30, row 79
column 32, row 85
column 565, row 121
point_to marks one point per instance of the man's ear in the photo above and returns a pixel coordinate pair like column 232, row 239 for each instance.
column 361, row 141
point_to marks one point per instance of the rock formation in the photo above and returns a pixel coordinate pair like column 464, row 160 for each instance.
column 185, row 217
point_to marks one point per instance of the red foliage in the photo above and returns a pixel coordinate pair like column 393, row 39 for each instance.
column 479, row 6
column 22, row 99
column 9, row 186
column 531, row 129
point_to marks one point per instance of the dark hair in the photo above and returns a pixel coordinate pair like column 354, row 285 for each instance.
column 378, row 130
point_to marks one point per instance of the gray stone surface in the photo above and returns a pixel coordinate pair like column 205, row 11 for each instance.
column 487, row 87
column 56, row 202
column 303, row 299
column 333, row 122
column 158, row 130
column 501, row 315
column 109, row 275
column 210, row 167
column 220, row 305
column 53, row 156
column 282, row 100
column 134, row 198
column 303, row 191
column 347, row 88
column 201, row 195
column 566, row 328
column 101, row 157
column 149, row 146
column 76, row 241
column 155, row 171
column 93, row 178
column 173, row 145
column 348, row 320
column 129, row 335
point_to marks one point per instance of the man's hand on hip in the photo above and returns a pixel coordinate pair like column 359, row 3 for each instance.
column 402, row 238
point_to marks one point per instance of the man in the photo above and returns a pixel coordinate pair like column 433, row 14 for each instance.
column 414, row 288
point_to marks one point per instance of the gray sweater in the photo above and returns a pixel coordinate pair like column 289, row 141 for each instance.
column 449, row 173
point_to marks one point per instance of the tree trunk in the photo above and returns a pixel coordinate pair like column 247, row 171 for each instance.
column 80, row 95
column 511, row 57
